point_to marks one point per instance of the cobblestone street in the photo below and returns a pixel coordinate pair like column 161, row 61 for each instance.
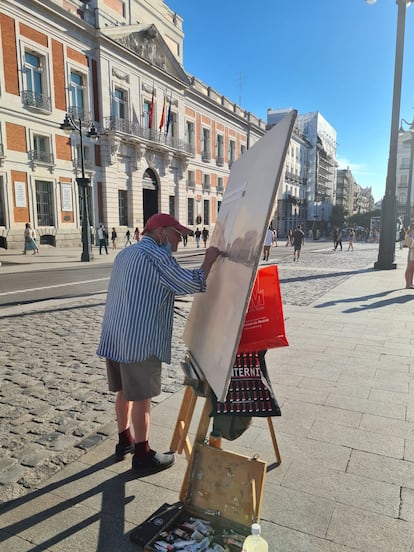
column 54, row 402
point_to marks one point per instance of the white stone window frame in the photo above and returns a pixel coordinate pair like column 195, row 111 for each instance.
column 79, row 69
column 26, row 46
column 33, row 135
column 126, row 101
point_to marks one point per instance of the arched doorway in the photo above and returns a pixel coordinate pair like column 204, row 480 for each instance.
column 149, row 194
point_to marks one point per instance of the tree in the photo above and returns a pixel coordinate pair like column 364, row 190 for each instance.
column 363, row 219
column 337, row 217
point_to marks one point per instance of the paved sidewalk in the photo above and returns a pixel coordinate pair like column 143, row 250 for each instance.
column 346, row 436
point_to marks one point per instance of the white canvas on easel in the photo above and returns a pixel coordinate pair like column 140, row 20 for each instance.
column 216, row 318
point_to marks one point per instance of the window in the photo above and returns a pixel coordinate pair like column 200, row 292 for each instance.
column 146, row 114
column 172, row 127
column 242, row 149
column 220, row 185
column 218, row 206
column 87, row 161
column 206, row 212
column 120, row 104
column 232, row 152
column 171, row 205
column 123, row 207
column 44, row 203
column 190, row 211
column 189, row 133
column 206, row 182
column 190, row 180
column 205, row 144
column 220, row 150
column 405, row 163
column 2, row 204
column 41, row 152
column 76, row 89
column 33, row 94
column 404, row 180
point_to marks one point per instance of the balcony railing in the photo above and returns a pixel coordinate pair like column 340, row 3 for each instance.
column 130, row 128
column 206, row 156
column 220, row 161
column 191, row 184
column 37, row 101
column 206, row 186
column 41, row 157
column 220, row 188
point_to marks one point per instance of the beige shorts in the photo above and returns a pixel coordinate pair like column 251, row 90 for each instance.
column 137, row 380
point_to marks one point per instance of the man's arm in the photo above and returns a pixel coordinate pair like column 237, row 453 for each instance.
column 209, row 259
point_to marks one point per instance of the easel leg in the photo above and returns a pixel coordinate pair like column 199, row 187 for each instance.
column 274, row 441
column 180, row 440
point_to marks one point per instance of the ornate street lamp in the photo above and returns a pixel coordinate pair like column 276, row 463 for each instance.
column 70, row 125
column 407, row 220
column 388, row 209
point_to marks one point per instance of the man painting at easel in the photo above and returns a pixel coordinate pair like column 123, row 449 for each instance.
column 137, row 329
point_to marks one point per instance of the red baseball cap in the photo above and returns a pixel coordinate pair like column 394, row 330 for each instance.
column 162, row 220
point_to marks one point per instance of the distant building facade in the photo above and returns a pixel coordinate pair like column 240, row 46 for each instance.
column 405, row 188
column 166, row 140
column 311, row 160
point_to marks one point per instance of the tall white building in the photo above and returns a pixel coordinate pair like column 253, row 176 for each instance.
column 308, row 186
column 321, row 182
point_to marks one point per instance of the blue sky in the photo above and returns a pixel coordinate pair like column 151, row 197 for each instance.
column 332, row 56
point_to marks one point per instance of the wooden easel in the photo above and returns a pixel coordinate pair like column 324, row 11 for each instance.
column 180, row 441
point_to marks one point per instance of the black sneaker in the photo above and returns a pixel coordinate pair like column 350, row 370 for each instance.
column 122, row 450
column 153, row 463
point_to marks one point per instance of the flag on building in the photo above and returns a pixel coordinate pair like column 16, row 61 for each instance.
column 169, row 119
column 162, row 120
column 151, row 111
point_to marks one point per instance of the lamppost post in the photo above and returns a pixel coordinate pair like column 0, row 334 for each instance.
column 407, row 220
column 386, row 251
column 83, row 183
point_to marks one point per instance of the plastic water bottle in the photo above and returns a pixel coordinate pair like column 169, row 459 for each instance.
column 255, row 542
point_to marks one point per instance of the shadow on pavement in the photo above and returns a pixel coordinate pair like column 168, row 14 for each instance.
column 111, row 516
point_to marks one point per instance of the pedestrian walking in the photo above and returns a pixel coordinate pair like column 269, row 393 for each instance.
column 136, row 234
column 267, row 243
column 274, row 239
column 128, row 238
column 29, row 240
column 289, row 238
column 409, row 271
column 114, row 237
column 204, row 235
column 401, row 237
column 137, row 328
column 298, row 239
column 197, row 235
column 351, row 239
column 102, row 237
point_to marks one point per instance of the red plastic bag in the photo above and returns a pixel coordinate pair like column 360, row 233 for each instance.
column 264, row 325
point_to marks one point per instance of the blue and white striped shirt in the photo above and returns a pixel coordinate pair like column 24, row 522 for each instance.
column 139, row 307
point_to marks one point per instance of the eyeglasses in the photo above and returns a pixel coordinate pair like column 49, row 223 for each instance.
column 178, row 232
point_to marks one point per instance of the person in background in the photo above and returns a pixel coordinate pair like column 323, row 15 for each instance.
column 137, row 329
column 351, row 239
column 29, row 240
column 267, row 243
column 197, row 235
column 205, row 234
column 298, row 239
column 136, row 234
column 409, row 271
column 102, row 237
column 114, row 237
column 128, row 238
